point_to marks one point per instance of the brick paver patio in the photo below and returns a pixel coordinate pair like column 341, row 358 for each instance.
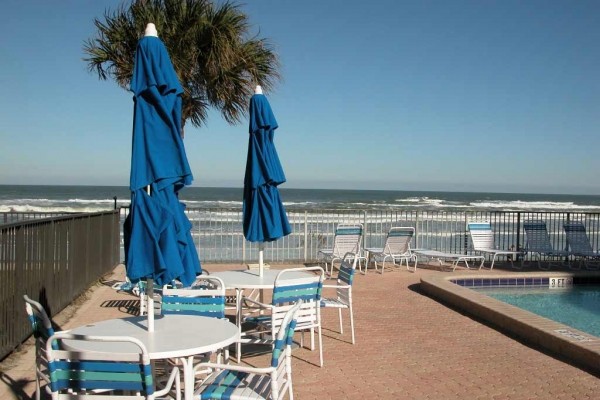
column 409, row 346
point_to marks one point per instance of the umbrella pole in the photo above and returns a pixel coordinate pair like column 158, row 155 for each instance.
column 150, row 294
column 150, row 306
column 261, row 266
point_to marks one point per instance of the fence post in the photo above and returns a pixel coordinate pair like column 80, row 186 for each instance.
column 417, row 230
column 305, row 236
column 364, row 236
column 519, row 247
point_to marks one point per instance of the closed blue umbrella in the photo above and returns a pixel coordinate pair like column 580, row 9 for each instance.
column 265, row 218
column 158, row 242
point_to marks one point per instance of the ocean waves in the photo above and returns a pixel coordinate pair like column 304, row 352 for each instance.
column 93, row 199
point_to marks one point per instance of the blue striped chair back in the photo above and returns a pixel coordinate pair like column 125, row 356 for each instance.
column 577, row 238
column 347, row 239
column 349, row 230
column 205, row 298
column 288, row 291
column 40, row 322
column 480, row 226
column 90, row 373
column 481, row 235
column 347, row 270
column 398, row 240
column 538, row 239
column 285, row 335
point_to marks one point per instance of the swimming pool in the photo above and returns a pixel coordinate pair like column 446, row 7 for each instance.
column 570, row 343
column 578, row 306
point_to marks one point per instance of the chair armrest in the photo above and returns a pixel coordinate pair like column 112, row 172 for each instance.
column 257, row 303
column 336, row 286
column 239, row 368
column 174, row 378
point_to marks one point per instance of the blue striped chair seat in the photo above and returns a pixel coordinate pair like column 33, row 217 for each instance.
column 235, row 385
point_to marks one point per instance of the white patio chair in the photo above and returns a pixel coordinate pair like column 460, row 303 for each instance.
column 287, row 291
column 245, row 383
column 42, row 330
column 539, row 244
column 580, row 244
column 205, row 298
column 482, row 238
column 343, row 300
column 347, row 239
column 104, row 375
column 396, row 248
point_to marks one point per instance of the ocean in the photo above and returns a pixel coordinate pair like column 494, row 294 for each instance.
column 25, row 198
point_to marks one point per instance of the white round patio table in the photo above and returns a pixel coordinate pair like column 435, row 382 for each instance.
column 174, row 336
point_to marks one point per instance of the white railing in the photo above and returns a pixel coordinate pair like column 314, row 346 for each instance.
column 219, row 238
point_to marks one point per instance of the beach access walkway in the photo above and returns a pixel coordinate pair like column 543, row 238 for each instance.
column 408, row 346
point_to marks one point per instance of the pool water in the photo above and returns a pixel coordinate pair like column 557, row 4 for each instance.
column 578, row 307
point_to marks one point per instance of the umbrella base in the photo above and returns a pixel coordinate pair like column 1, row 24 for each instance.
column 257, row 266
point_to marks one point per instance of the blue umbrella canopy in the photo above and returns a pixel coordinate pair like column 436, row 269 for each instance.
column 265, row 218
column 158, row 242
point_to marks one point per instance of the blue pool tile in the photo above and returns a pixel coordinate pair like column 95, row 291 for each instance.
column 528, row 281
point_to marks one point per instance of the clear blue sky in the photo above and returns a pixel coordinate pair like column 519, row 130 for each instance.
column 405, row 95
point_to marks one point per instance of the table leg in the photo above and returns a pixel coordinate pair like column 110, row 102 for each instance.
column 188, row 377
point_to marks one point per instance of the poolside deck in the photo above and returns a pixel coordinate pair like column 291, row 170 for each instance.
column 409, row 346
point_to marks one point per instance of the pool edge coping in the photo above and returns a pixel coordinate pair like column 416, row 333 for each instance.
column 533, row 329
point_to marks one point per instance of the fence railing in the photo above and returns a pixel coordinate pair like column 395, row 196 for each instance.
column 219, row 237
column 52, row 260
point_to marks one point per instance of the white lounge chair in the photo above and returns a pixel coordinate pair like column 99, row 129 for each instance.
column 580, row 244
column 482, row 238
column 538, row 243
column 396, row 248
column 441, row 256
column 347, row 240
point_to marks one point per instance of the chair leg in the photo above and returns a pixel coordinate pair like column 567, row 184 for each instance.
column 493, row 260
column 37, row 386
column 341, row 325
column 312, row 339
column 320, row 346
column 351, row 322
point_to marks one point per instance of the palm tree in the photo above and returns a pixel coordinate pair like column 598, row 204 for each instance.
column 217, row 61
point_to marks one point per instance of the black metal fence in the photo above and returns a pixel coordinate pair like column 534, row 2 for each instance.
column 219, row 236
column 52, row 260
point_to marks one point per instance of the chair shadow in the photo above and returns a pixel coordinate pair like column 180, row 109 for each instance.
column 131, row 307
column 17, row 386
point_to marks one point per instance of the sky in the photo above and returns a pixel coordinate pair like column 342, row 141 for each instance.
column 441, row 95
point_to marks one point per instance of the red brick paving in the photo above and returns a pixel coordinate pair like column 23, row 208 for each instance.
column 408, row 346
